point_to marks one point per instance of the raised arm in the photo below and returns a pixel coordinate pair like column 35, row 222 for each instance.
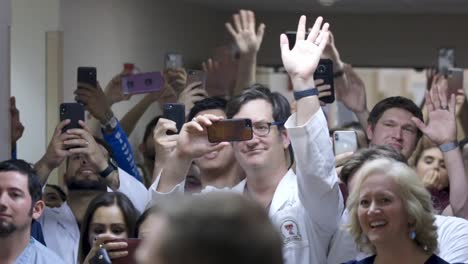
column 442, row 130
column 248, row 41
column 308, row 131
column 192, row 143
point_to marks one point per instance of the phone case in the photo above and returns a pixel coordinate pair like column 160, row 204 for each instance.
column 230, row 130
column 87, row 75
column 176, row 113
column 324, row 71
column 173, row 61
column 133, row 244
column 196, row 76
column 344, row 141
column 454, row 81
column 142, row 83
column 74, row 112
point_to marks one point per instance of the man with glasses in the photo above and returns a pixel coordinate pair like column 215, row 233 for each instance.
column 305, row 206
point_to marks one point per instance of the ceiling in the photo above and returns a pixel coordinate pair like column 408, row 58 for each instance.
column 344, row 6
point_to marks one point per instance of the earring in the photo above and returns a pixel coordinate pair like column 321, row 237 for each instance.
column 412, row 234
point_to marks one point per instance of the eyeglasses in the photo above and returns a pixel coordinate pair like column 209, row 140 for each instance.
column 262, row 129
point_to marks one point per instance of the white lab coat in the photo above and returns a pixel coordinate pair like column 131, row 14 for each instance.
column 306, row 208
column 59, row 226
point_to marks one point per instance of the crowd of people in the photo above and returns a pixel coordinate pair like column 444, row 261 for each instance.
column 282, row 196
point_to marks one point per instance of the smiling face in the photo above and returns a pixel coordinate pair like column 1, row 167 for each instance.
column 396, row 129
column 261, row 151
column 381, row 213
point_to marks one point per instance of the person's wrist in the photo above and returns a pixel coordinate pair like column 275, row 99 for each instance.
column 181, row 154
column 106, row 118
column 449, row 145
column 102, row 164
column 301, row 84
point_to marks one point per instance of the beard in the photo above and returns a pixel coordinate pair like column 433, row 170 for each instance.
column 86, row 185
column 7, row 228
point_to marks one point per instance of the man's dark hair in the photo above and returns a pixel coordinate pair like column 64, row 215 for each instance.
column 150, row 127
column 207, row 104
column 218, row 228
column 129, row 212
column 279, row 103
column 394, row 102
column 363, row 155
column 24, row 168
column 59, row 190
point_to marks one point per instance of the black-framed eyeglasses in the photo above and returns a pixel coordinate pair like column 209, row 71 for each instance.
column 262, row 129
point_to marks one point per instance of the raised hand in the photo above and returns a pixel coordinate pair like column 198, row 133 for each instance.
column 176, row 78
column 213, row 84
column 114, row 92
column 192, row 94
column 193, row 138
column 95, row 101
column 331, row 52
column 85, row 144
column 353, row 92
column 17, row 127
column 302, row 60
column 441, row 127
column 164, row 144
column 248, row 41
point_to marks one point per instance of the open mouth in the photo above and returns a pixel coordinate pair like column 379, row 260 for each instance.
column 377, row 224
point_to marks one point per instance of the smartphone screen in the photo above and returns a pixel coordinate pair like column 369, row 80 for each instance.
column 173, row 61
column 230, row 130
column 72, row 111
column 133, row 244
column 142, row 83
column 344, row 141
column 454, row 81
column 196, row 76
column 87, row 75
column 176, row 113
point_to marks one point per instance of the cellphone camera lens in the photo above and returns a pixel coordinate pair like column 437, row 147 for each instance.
column 321, row 68
column 336, row 136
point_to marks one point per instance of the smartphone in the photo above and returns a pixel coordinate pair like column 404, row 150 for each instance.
column 173, row 61
column 147, row 82
column 87, row 75
column 344, row 141
column 446, row 60
column 133, row 244
column 196, row 76
column 176, row 113
column 74, row 112
column 230, row 130
column 324, row 71
column 454, row 81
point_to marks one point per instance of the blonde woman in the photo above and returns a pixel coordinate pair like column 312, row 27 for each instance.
column 391, row 215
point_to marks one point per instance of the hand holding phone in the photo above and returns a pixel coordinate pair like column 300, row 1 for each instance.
column 133, row 244
column 230, row 130
column 344, row 141
column 176, row 113
column 196, row 76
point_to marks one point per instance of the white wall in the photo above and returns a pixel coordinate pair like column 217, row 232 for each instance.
column 107, row 33
column 5, row 21
column 30, row 21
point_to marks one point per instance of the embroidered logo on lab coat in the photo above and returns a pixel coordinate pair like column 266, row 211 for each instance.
column 290, row 231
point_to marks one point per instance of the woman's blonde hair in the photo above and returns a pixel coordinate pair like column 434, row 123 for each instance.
column 415, row 198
